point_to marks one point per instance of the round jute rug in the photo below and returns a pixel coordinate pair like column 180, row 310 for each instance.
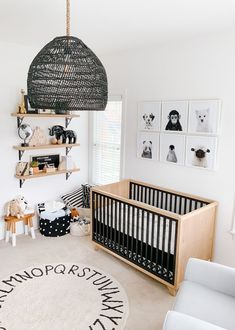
column 62, row 297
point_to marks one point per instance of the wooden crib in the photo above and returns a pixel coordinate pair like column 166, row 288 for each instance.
column 153, row 229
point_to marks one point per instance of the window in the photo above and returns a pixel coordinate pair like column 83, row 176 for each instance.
column 105, row 144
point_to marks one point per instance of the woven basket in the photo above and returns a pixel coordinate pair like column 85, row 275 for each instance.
column 77, row 229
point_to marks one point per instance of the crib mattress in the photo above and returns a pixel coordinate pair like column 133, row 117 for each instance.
column 159, row 233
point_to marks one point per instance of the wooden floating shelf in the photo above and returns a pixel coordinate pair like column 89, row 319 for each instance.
column 47, row 115
column 42, row 174
column 47, row 146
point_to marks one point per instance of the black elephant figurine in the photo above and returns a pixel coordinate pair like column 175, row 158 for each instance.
column 68, row 136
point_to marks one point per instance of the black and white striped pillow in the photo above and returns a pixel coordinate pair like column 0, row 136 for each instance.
column 74, row 198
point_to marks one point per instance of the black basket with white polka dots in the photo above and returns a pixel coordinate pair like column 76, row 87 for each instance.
column 58, row 227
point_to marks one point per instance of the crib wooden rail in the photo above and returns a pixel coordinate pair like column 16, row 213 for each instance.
column 152, row 228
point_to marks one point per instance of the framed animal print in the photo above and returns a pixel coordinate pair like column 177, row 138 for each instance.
column 204, row 116
column 149, row 116
column 174, row 116
column 148, row 145
column 201, row 151
column 172, row 148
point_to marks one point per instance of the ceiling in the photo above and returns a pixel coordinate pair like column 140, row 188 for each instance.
column 113, row 25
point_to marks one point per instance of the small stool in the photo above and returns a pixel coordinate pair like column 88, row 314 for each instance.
column 11, row 226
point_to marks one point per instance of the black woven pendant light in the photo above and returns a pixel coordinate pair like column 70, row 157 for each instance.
column 66, row 76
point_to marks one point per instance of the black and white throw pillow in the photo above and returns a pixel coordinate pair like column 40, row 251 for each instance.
column 74, row 198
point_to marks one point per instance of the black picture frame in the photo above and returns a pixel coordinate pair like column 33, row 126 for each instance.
column 46, row 159
column 28, row 107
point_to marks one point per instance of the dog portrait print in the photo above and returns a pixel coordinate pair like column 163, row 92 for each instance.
column 147, row 149
column 148, row 120
column 171, row 156
column 203, row 120
column 173, row 121
column 200, row 156
column 149, row 115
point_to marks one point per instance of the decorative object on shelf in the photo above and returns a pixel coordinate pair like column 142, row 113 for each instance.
column 35, row 166
column 22, row 168
column 25, row 132
column 68, row 136
column 66, row 163
column 28, row 107
column 67, row 75
column 22, row 108
column 47, row 159
column 38, row 138
column 49, row 168
column 46, row 111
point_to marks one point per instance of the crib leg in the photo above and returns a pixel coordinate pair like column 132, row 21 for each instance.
column 172, row 291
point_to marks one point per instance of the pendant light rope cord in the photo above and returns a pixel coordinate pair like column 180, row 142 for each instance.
column 68, row 18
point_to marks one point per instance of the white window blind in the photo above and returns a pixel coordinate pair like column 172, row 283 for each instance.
column 106, row 143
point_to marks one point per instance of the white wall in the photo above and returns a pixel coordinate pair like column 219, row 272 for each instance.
column 14, row 61
column 195, row 69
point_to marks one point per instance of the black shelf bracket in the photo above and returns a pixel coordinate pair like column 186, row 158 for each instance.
column 68, row 150
column 67, row 121
column 21, row 152
column 68, row 175
column 19, row 121
column 22, row 181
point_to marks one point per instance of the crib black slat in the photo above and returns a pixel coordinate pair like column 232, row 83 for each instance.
column 111, row 222
column 119, row 224
column 185, row 205
column 163, row 244
column 104, row 219
column 158, row 237
column 123, row 226
column 161, row 204
column 132, row 231
column 142, row 236
column 171, row 208
column 180, row 205
column 152, row 240
column 115, row 224
column 175, row 203
column 153, row 197
column 128, row 227
column 169, row 246
column 137, row 232
column 147, row 239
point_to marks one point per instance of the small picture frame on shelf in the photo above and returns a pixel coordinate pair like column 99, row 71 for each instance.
column 28, row 107
column 22, row 168
column 44, row 160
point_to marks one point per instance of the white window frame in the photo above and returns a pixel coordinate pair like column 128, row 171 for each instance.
column 115, row 97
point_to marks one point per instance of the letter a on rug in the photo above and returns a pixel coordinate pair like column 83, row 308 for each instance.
column 62, row 296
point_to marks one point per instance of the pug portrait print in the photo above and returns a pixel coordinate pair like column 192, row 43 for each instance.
column 149, row 116
column 148, row 145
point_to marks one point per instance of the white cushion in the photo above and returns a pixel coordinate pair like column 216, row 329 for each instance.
column 209, row 305
column 179, row 321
